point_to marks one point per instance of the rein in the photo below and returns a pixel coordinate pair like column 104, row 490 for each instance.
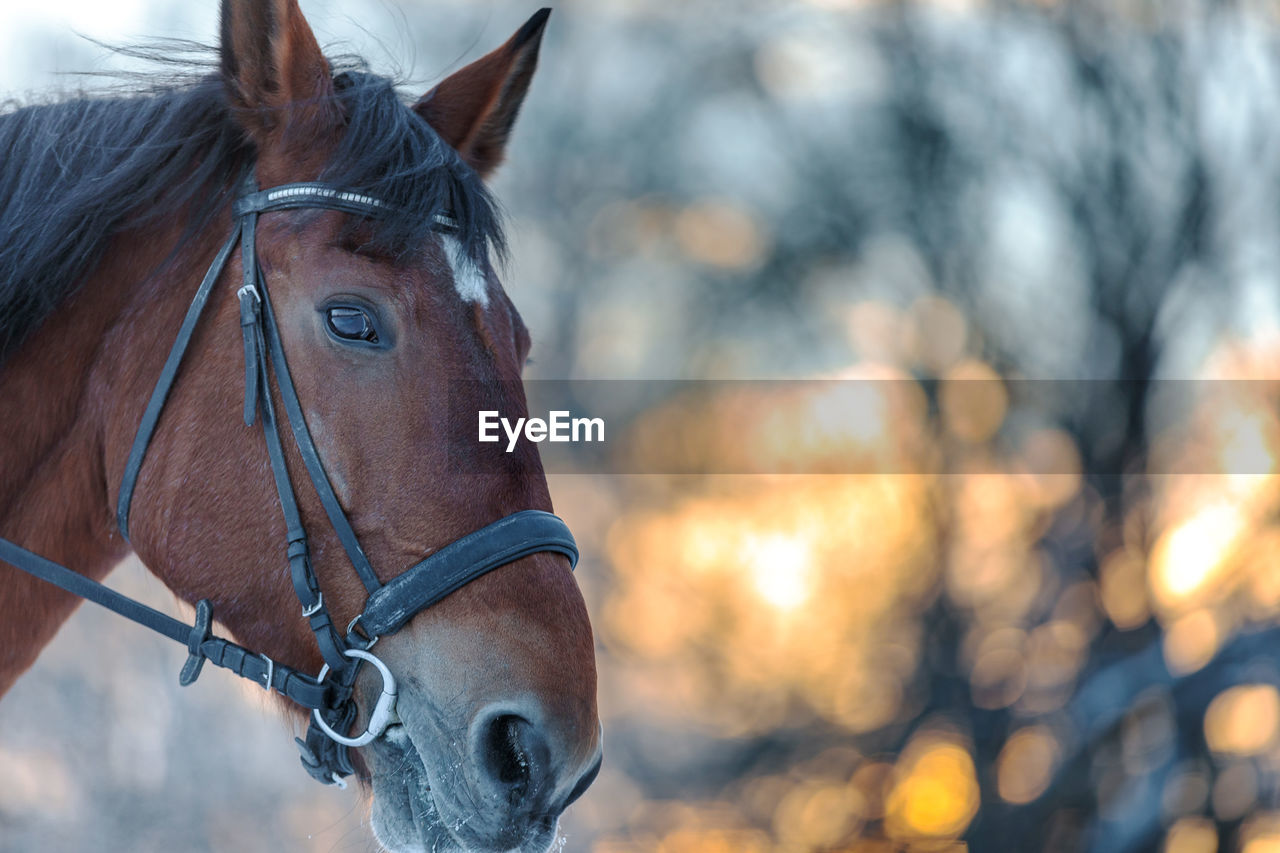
column 330, row 694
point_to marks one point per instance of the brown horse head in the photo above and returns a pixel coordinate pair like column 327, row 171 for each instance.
column 390, row 330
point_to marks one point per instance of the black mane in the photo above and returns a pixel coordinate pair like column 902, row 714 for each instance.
column 74, row 173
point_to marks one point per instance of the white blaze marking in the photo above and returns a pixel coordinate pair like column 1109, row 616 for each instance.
column 468, row 279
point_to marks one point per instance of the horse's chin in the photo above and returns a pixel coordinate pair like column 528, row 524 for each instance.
column 406, row 817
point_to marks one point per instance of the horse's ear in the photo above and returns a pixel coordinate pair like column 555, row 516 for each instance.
column 277, row 78
column 475, row 108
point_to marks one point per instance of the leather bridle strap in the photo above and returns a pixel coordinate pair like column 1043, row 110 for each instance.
column 305, row 584
column 201, row 645
column 246, row 209
column 462, row 561
column 274, row 350
column 151, row 415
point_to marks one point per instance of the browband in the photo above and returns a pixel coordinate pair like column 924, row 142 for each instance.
column 316, row 194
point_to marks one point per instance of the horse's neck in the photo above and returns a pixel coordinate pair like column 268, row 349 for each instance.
column 60, row 389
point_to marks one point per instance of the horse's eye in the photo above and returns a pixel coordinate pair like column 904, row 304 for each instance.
column 352, row 324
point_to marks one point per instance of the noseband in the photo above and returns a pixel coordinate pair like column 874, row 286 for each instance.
column 329, row 695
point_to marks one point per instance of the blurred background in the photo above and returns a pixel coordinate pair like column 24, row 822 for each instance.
column 1037, row 622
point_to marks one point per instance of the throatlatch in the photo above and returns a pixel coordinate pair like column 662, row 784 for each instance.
column 330, row 694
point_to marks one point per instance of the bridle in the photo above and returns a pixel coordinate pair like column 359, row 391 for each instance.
column 330, row 694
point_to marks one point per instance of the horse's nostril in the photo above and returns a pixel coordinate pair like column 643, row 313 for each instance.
column 508, row 760
column 516, row 757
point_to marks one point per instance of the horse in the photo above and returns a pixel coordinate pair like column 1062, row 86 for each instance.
column 370, row 314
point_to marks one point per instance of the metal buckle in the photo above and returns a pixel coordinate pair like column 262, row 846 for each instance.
column 368, row 641
column 383, row 710
column 271, row 671
column 252, row 291
column 308, row 612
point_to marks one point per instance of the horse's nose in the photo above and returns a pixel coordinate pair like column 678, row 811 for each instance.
column 524, row 765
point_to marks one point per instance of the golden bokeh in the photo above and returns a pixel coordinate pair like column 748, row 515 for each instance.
column 973, row 401
column 1189, row 557
column 1192, row 835
column 1123, row 576
column 1191, row 640
column 1026, row 764
column 807, row 575
column 1261, row 833
column 936, row 791
column 1243, row 720
column 743, row 603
